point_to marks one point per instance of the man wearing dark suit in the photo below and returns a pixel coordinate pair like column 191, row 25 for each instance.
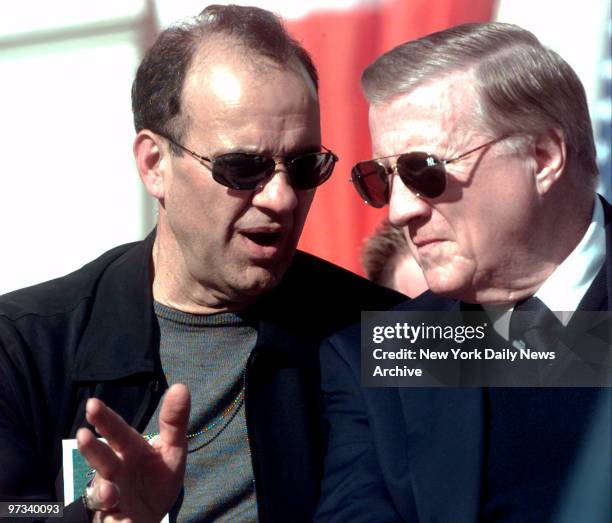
column 484, row 152
column 229, row 144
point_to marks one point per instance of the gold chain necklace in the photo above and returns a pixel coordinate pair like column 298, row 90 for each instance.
column 237, row 401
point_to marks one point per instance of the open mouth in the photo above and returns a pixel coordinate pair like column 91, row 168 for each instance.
column 265, row 239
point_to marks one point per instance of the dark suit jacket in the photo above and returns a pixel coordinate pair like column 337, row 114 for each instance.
column 94, row 333
column 417, row 455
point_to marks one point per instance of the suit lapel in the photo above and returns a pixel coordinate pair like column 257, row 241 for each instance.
column 281, row 408
column 445, row 441
column 588, row 335
column 444, row 429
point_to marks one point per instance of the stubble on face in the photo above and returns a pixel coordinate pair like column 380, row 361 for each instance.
column 227, row 247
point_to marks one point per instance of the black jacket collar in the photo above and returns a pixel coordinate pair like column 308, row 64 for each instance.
column 121, row 316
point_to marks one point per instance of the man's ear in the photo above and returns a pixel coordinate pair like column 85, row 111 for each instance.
column 550, row 157
column 150, row 154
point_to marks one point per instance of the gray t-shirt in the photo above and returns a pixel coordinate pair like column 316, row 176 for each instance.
column 208, row 353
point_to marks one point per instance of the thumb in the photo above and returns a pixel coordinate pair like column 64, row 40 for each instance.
column 174, row 416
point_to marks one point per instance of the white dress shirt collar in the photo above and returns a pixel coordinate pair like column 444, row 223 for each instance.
column 564, row 289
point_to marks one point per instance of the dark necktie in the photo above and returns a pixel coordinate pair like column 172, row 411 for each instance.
column 534, row 327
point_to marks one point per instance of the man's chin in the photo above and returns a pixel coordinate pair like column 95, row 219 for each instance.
column 448, row 285
column 257, row 279
column 251, row 278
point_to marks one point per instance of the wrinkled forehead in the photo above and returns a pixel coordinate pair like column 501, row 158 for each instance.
column 232, row 103
column 230, row 93
column 435, row 109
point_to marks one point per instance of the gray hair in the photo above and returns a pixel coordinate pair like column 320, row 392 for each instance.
column 523, row 87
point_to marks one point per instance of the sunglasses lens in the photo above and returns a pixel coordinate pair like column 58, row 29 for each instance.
column 372, row 183
column 242, row 171
column 422, row 173
column 246, row 171
column 310, row 170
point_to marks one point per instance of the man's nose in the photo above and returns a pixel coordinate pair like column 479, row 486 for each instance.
column 404, row 204
column 276, row 193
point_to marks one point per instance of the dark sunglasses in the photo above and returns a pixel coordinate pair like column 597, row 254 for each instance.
column 422, row 172
column 246, row 172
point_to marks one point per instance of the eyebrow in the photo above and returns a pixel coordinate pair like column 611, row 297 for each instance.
column 294, row 152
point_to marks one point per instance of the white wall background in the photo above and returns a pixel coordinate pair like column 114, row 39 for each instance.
column 580, row 31
column 70, row 190
column 69, row 186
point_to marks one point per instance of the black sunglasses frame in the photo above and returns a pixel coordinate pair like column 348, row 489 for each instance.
column 384, row 172
column 266, row 173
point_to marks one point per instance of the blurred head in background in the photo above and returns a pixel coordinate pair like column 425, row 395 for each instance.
column 387, row 260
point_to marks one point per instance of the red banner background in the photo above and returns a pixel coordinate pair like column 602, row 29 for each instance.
column 342, row 44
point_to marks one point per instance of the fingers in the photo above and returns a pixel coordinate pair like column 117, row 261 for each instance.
column 111, row 426
column 115, row 517
column 128, row 454
column 98, row 454
column 106, row 493
column 174, row 416
column 103, row 495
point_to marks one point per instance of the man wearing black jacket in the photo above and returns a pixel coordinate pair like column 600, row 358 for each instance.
column 227, row 115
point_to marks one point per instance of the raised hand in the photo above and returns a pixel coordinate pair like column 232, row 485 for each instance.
column 136, row 482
